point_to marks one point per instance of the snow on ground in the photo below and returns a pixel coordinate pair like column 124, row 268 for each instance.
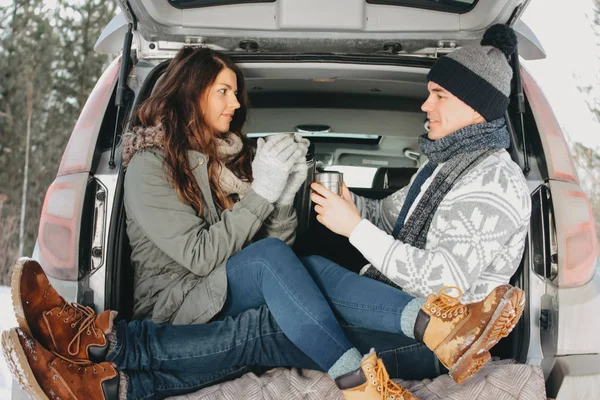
column 7, row 320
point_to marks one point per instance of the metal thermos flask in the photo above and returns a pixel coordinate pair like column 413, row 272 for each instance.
column 302, row 200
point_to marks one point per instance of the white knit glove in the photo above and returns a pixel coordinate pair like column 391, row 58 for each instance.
column 298, row 174
column 272, row 165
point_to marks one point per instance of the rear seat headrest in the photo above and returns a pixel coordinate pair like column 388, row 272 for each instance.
column 157, row 83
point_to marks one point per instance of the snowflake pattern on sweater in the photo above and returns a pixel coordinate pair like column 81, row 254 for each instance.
column 475, row 241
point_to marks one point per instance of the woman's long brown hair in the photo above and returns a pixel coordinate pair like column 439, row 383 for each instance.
column 174, row 103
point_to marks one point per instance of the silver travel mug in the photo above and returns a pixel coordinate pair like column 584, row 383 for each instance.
column 332, row 180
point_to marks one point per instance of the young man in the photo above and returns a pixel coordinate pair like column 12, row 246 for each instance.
column 66, row 350
column 463, row 219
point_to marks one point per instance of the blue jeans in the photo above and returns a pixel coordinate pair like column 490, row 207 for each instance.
column 160, row 361
column 301, row 295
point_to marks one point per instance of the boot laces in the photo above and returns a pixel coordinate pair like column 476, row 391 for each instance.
column 82, row 365
column 83, row 316
column 385, row 386
column 446, row 305
column 73, row 361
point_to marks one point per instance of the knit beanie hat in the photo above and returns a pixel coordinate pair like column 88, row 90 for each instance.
column 480, row 75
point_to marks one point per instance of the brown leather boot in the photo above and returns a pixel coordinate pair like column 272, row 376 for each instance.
column 70, row 329
column 371, row 381
column 43, row 375
column 461, row 335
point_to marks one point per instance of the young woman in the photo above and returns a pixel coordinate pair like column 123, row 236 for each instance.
column 215, row 283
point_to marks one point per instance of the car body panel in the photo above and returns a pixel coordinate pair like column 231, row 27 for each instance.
column 580, row 305
column 312, row 25
column 575, row 378
column 158, row 19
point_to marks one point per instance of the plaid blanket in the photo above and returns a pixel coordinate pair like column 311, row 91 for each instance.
column 499, row 380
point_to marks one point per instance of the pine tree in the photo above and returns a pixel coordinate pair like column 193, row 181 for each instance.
column 588, row 167
column 28, row 53
column 49, row 51
column 587, row 159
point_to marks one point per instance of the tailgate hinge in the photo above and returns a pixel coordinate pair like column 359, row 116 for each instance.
column 444, row 47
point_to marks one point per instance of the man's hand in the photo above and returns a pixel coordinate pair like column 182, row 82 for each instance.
column 338, row 213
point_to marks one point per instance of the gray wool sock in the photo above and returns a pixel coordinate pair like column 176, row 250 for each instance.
column 348, row 362
column 111, row 336
column 111, row 332
column 409, row 316
column 122, row 386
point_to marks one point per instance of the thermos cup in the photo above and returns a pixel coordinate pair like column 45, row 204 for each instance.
column 331, row 180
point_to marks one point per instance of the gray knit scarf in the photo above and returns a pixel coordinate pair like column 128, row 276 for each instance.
column 461, row 151
column 483, row 136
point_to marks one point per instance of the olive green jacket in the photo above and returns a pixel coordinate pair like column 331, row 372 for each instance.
column 178, row 257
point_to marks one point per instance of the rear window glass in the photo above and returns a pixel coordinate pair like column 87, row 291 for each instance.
column 329, row 137
column 210, row 3
column 456, row 6
column 355, row 177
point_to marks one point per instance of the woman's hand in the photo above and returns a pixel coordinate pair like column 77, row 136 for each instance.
column 298, row 173
column 338, row 213
column 272, row 165
column 295, row 180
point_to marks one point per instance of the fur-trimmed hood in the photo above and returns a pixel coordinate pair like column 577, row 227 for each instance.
column 153, row 137
column 145, row 138
column 142, row 138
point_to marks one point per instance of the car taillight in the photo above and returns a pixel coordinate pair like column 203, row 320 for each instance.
column 575, row 233
column 60, row 221
column 558, row 155
column 577, row 243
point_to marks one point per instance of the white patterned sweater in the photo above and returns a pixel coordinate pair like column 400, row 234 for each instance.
column 475, row 241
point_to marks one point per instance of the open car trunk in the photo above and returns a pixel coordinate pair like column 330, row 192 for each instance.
column 363, row 116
